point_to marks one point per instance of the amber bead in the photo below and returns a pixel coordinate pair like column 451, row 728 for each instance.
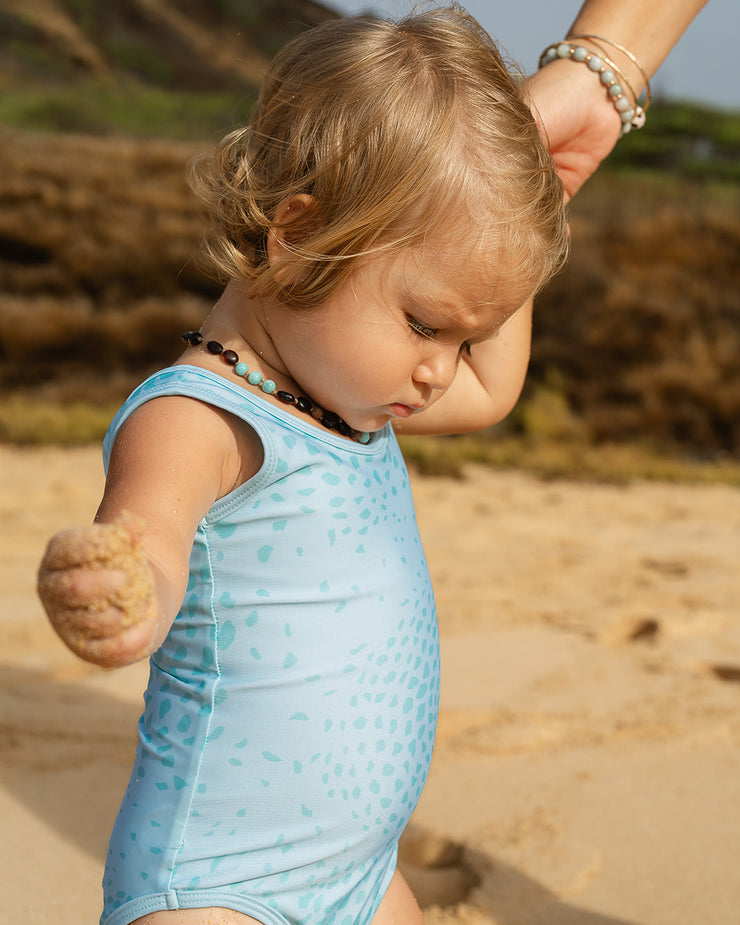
column 330, row 420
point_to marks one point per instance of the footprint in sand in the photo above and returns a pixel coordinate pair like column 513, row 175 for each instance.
column 435, row 868
column 726, row 672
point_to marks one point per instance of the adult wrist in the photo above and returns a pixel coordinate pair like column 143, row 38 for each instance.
column 589, row 50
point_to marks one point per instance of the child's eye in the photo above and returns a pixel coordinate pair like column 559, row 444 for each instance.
column 423, row 329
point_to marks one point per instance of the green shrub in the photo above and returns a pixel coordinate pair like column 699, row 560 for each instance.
column 26, row 421
column 139, row 111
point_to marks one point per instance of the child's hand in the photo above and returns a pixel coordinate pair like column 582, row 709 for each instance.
column 98, row 590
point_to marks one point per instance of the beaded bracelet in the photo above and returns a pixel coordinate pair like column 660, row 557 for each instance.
column 628, row 54
column 631, row 113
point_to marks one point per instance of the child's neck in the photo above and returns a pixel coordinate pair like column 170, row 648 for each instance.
column 242, row 324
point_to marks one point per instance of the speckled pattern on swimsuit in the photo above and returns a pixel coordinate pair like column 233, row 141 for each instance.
column 290, row 714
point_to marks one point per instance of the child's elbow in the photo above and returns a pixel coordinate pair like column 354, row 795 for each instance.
column 491, row 412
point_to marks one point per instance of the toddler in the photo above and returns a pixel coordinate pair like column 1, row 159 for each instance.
column 381, row 225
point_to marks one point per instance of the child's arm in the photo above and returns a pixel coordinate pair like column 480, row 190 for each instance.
column 487, row 385
column 112, row 590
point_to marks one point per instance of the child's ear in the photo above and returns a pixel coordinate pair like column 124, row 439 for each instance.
column 280, row 236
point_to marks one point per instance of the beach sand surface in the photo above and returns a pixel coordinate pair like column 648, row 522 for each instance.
column 587, row 768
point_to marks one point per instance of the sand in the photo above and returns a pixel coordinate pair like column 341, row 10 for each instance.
column 587, row 769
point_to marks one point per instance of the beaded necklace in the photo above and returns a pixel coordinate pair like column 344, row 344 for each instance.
column 329, row 419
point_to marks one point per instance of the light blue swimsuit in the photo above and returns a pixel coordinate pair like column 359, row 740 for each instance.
column 290, row 713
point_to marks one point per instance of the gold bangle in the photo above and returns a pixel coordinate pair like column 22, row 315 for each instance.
column 628, row 53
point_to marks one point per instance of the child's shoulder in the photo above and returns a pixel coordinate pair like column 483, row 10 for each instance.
column 181, row 385
column 174, row 419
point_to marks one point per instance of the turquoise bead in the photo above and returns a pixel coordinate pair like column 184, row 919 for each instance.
column 241, row 369
column 268, row 386
column 254, row 378
column 364, row 437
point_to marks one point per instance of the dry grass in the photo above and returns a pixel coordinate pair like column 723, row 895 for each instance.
column 97, row 276
column 641, row 333
column 108, row 218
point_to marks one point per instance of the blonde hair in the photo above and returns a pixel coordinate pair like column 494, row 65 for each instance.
column 389, row 127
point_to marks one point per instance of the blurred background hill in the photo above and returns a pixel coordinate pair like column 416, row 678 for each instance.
column 188, row 44
column 103, row 105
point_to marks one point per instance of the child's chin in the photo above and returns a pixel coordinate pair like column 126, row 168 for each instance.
column 369, row 424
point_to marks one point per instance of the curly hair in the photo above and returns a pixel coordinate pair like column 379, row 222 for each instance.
column 390, row 127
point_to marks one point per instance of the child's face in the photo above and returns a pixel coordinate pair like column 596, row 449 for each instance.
column 388, row 343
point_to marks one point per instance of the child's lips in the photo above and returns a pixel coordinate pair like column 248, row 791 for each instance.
column 400, row 410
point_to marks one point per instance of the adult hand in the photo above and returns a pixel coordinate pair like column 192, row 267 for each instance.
column 579, row 124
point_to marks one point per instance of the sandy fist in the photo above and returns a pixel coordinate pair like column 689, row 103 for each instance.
column 98, row 591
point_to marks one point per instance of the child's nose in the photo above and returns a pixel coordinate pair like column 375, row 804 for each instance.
column 438, row 368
